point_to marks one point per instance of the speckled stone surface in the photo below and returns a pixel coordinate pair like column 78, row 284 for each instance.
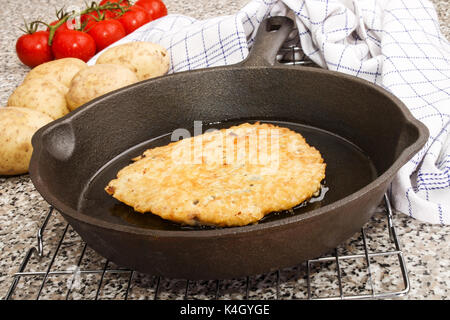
column 22, row 210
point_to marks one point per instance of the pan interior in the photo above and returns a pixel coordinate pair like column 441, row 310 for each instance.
column 348, row 170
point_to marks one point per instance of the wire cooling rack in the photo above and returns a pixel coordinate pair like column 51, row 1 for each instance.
column 370, row 265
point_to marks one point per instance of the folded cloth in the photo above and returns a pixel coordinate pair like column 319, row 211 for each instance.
column 393, row 43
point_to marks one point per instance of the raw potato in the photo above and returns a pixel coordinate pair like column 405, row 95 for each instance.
column 147, row 60
column 61, row 70
column 97, row 80
column 44, row 95
column 47, row 82
column 17, row 126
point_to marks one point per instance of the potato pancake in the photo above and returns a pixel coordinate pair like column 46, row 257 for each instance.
column 228, row 177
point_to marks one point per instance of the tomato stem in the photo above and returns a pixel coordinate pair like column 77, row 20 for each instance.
column 63, row 17
column 60, row 13
column 30, row 27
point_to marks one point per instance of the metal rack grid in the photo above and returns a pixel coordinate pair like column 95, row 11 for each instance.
column 101, row 279
column 274, row 285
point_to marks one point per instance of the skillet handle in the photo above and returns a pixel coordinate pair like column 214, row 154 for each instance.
column 271, row 35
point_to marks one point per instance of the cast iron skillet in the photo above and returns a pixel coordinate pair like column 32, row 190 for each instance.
column 364, row 134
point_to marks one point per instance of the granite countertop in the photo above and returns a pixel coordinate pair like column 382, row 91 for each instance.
column 22, row 210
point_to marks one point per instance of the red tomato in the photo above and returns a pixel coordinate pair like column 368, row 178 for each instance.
column 73, row 43
column 134, row 18
column 64, row 26
column 33, row 49
column 89, row 19
column 123, row 3
column 106, row 32
column 155, row 8
column 114, row 13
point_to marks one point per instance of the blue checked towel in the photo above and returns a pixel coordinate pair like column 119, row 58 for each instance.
column 393, row 43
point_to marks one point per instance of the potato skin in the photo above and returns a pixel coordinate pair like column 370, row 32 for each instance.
column 44, row 95
column 61, row 70
column 17, row 126
column 97, row 80
column 146, row 59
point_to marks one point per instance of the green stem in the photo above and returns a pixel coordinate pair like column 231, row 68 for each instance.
column 93, row 7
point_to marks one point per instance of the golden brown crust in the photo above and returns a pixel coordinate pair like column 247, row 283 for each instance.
column 233, row 181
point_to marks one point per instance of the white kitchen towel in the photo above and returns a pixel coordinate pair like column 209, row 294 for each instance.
column 393, row 43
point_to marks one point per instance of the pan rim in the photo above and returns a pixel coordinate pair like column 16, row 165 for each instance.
column 65, row 210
